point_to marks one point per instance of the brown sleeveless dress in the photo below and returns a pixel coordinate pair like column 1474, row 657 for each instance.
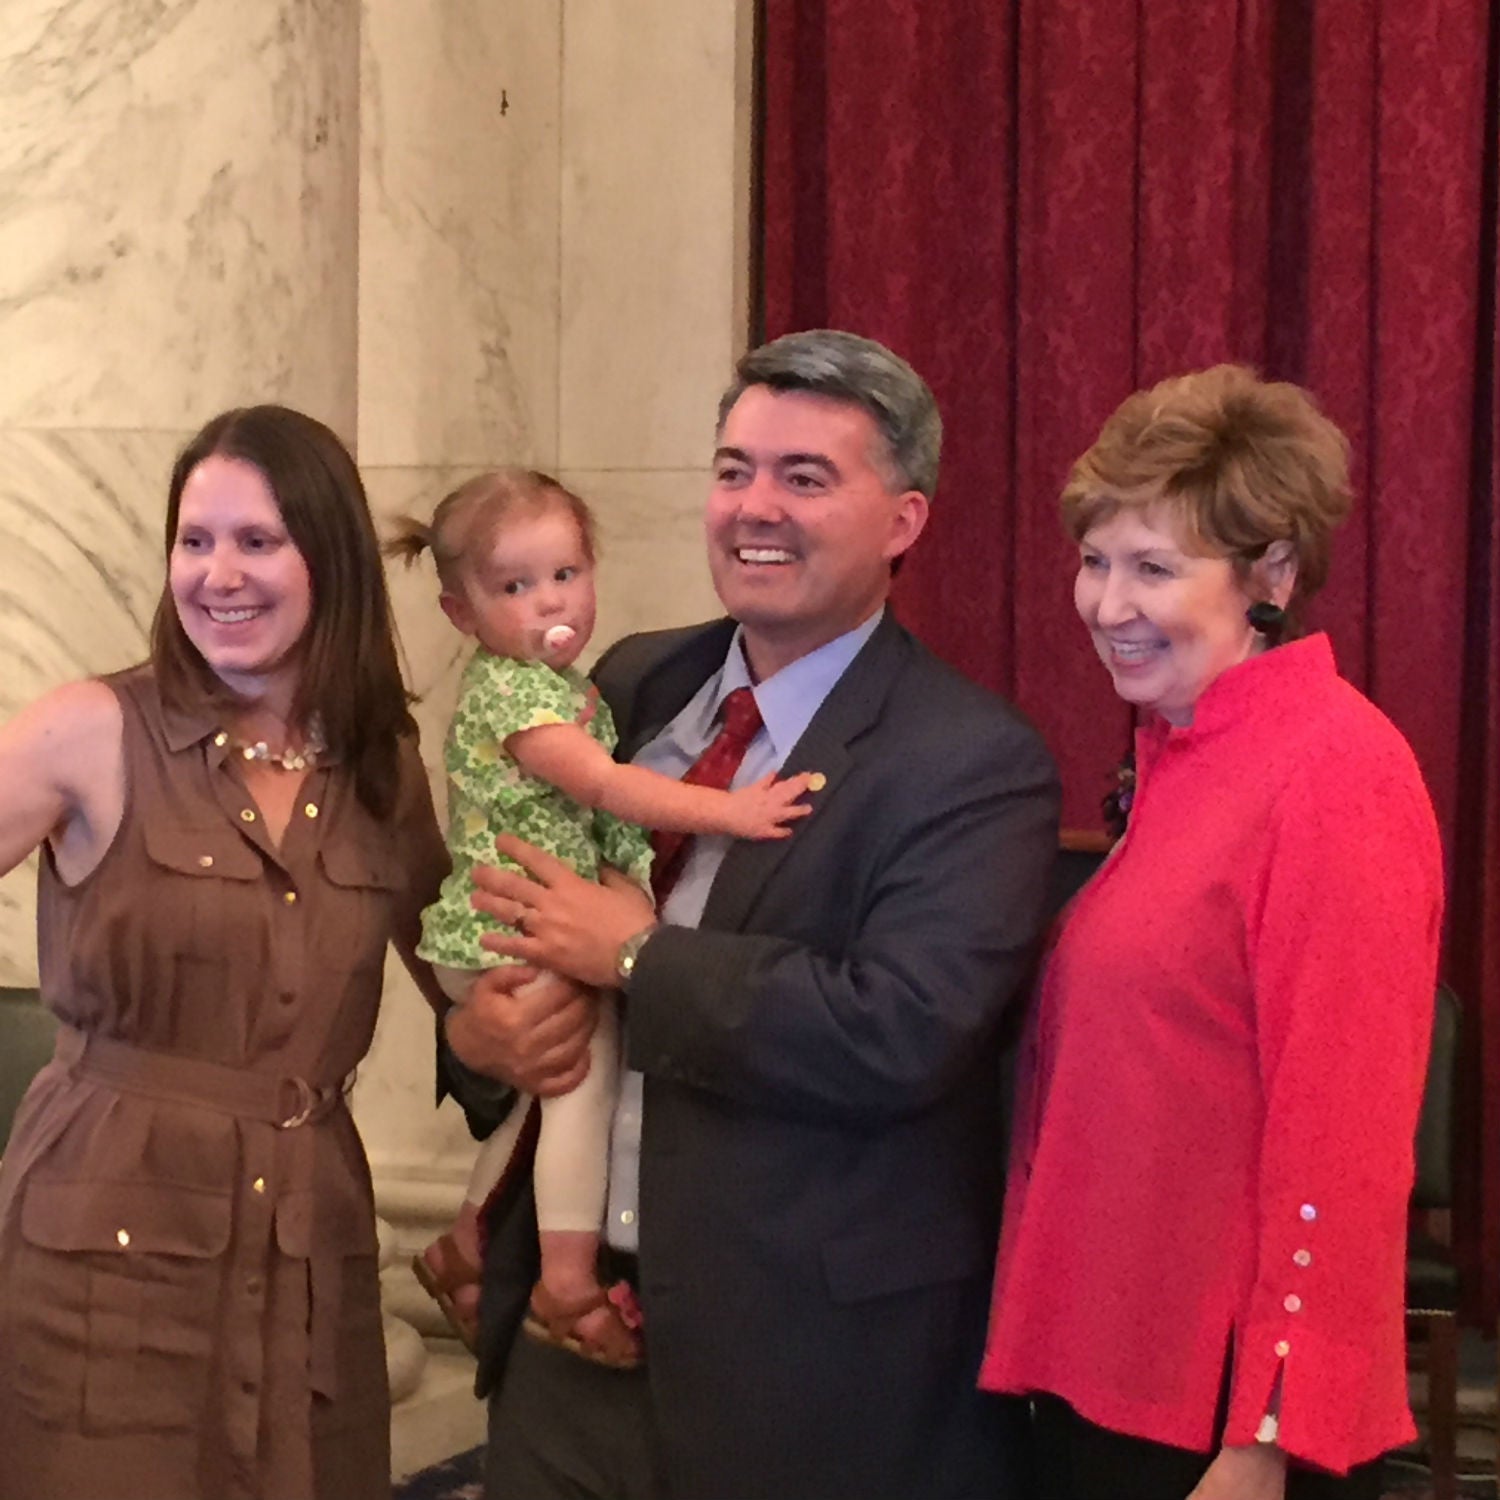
column 189, row 1303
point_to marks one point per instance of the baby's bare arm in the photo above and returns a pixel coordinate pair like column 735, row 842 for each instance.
column 571, row 759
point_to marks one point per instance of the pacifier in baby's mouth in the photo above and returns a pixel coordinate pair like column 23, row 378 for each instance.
column 558, row 637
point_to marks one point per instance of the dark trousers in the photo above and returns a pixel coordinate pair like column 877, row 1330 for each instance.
column 1075, row 1460
column 561, row 1428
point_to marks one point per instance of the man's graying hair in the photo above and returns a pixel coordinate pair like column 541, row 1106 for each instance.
column 846, row 367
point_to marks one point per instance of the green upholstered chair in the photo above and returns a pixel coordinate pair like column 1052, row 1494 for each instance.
column 1431, row 1275
column 27, row 1030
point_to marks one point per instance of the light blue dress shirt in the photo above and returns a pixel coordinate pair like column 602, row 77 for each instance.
column 787, row 703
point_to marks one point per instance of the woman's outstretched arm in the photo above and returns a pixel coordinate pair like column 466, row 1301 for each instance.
column 62, row 776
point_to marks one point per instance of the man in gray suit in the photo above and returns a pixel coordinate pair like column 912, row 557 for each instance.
column 805, row 1169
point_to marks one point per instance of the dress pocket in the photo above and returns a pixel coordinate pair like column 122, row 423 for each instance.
column 360, row 1393
column 363, row 885
column 191, row 868
column 365, row 879
column 115, row 1298
column 362, row 864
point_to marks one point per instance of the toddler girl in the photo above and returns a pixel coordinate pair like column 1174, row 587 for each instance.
column 530, row 752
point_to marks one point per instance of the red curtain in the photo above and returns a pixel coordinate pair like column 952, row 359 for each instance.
column 1045, row 204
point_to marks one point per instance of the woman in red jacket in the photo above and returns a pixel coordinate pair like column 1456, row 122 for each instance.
column 1201, row 1267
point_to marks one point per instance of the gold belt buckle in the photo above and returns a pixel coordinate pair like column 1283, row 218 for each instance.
column 307, row 1101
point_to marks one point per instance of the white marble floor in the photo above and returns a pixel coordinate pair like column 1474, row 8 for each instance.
column 441, row 1417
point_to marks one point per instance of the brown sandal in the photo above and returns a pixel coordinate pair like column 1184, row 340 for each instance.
column 552, row 1321
column 454, row 1272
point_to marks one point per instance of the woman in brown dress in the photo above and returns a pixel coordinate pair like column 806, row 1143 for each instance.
column 230, row 834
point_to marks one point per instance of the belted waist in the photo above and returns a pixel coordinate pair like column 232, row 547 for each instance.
column 280, row 1101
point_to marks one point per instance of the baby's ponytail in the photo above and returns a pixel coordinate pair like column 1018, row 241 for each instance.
column 408, row 540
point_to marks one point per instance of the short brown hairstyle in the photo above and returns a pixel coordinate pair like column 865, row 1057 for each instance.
column 842, row 366
column 350, row 676
column 1238, row 461
column 464, row 526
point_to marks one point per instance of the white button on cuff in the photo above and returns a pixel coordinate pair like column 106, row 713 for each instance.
column 627, row 1216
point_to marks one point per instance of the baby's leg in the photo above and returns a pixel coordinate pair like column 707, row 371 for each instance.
column 494, row 1155
column 572, row 1153
column 451, row 1263
column 571, row 1180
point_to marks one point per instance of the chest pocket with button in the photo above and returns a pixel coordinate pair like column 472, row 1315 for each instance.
column 205, row 878
column 365, row 882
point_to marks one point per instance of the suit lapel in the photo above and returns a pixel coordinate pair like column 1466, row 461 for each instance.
column 663, row 688
column 854, row 705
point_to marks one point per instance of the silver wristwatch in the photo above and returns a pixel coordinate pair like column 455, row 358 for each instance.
column 627, row 954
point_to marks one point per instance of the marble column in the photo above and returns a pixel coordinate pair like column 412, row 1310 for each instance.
column 654, row 302
column 178, row 217
column 457, row 372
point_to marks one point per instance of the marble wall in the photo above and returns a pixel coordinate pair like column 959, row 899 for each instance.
column 178, row 193
column 179, row 184
column 654, row 271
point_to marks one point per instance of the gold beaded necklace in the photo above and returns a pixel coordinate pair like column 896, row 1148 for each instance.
column 303, row 758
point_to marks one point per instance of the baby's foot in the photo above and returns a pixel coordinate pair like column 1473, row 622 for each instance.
column 452, row 1280
column 587, row 1324
column 451, row 1262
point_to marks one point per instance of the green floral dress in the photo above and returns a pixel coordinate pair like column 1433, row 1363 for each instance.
column 489, row 794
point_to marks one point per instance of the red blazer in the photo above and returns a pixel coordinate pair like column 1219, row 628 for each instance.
column 1220, row 1084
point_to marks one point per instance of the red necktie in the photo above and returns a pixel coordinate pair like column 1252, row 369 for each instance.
column 716, row 768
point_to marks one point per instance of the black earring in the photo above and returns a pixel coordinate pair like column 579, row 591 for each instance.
column 1267, row 619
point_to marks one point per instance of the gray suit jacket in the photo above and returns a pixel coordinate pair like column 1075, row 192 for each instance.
column 821, row 1161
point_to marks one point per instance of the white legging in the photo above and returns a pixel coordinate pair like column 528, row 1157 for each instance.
column 572, row 1152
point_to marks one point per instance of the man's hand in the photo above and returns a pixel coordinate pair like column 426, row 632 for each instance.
column 1254, row 1472
column 527, row 1029
column 565, row 923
